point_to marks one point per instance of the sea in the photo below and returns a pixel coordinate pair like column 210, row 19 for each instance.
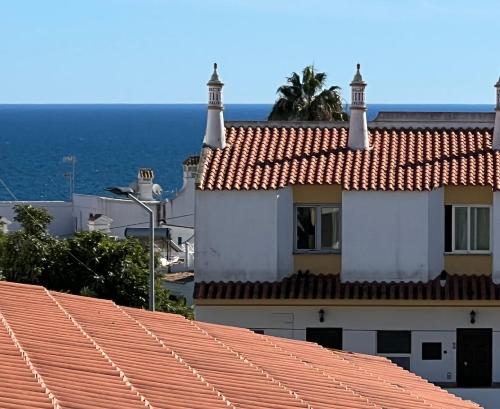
column 111, row 142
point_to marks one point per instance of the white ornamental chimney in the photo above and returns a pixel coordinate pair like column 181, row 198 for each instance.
column 215, row 135
column 145, row 178
column 358, row 127
column 496, row 129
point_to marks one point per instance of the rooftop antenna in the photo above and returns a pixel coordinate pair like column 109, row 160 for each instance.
column 71, row 159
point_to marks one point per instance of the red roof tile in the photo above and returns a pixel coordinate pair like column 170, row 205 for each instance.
column 405, row 159
column 330, row 287
column 67, row 351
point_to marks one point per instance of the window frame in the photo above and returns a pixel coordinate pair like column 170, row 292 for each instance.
column 469, row 207
column 390, row 355
column 317, row 238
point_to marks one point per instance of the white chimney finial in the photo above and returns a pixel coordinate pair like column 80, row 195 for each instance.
column 215, row 136
column 496, row 129
column 358, row 127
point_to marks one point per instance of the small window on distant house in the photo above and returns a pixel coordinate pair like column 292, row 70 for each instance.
column 394, row 342
column 467, row 229
column 431, row 351
column 326, row 337
column 179, row 240
column 395, row 345
column 317, row 228
column 258, row 331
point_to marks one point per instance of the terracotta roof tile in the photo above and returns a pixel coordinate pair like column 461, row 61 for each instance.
column 404, row 159
column 329, row 286
column 65, row 351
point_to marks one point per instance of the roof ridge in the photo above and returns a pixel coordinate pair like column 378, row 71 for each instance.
column 329, row 376
column 27, row 360
column 247, row 361
column 178, row 358
column 121, row 373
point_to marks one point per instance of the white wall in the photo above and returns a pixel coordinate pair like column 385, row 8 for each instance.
column 360, row 326
column 392, row 235
column 237, row 235
column 63, row 223
column 123, row 212
column 180, row 209
column 495, row 225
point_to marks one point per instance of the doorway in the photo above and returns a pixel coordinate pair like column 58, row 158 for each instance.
column 474, row 357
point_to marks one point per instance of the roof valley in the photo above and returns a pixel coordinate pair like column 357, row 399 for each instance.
column 121, row 373
column 29, row 363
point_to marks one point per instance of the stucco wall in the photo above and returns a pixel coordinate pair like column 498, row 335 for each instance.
column 63, row 223
column 392, row 235
column 237, row 235
column 360, row 326
column 180, row 209
column 495, row 225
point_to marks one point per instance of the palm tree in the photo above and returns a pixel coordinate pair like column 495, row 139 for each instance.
column 308, row 100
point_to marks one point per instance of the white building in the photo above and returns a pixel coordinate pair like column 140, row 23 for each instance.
column 114, row 215
column 380, row 239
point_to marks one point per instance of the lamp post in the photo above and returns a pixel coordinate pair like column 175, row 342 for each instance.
column 129, row 192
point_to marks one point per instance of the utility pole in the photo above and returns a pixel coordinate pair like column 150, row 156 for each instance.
column 71, row 159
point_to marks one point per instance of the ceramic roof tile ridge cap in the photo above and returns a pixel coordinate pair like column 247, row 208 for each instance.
column 251, row 364
column 121, row 373
column 179, row 358
column 325, row 374
column 381, row 380
column 27, row 360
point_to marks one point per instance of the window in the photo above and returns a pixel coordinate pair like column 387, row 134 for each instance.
column 179, row 240
column 258, row 331
column 317, row 228
column 431, row 351
column 394, row 342
column 467, row 229
column 395, row 345
column 326, row 337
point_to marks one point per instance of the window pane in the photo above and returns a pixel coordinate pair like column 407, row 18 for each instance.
column 306, row 228
column 460, row 228
column 480, row 228
column 330, row 228
column 326, row 337
column 394, row 342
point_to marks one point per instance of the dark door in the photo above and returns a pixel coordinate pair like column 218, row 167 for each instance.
column 474, row 357
column 326, row 337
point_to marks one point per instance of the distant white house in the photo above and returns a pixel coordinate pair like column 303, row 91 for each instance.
column 114, row 215
column 382, row 238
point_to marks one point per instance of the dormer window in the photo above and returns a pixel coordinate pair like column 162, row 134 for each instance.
column 469, row 229
column 317, row 228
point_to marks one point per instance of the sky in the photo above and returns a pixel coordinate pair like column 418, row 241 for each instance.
column 162, row 51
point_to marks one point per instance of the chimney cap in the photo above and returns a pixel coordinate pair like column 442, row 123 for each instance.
column 358, row 79
column 214, row 79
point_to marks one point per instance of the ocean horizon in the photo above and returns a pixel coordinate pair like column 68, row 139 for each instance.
column 112, row 141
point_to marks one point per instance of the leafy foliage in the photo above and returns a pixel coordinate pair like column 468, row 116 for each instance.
column 90, row 263
column 307, row 99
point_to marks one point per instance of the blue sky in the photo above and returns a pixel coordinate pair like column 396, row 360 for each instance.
column 161, row 51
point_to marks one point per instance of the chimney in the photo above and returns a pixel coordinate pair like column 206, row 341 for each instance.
column 358, row 127
column 99, row 222
column 145, row 184
column 496, row 129
column 215, row 135
column 190, row 169
column 4, row 225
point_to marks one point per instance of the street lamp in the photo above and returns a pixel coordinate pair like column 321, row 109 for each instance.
column 129, row 192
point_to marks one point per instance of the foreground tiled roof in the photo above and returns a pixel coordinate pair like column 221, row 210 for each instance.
column 64, row 351
column 425, row 159
column 330, row 287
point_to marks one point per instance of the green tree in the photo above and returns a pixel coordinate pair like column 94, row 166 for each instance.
column 307, row 99
column 90, row 263
column 27, row 253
